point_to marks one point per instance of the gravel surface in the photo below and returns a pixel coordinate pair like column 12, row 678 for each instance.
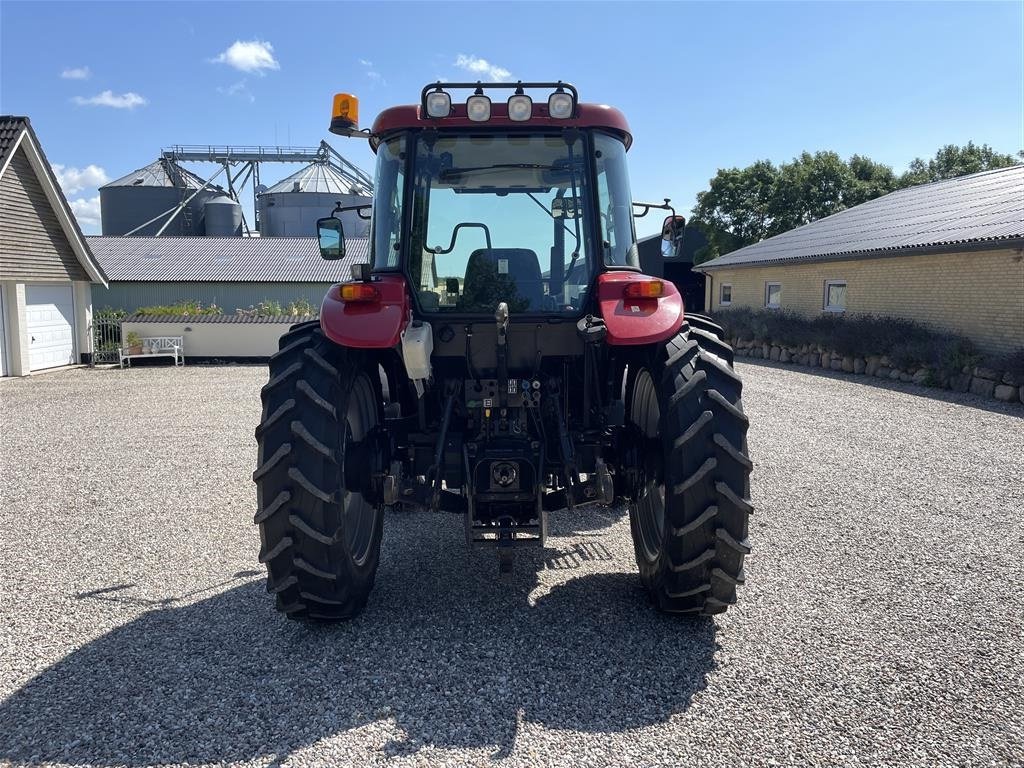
column 881, row 623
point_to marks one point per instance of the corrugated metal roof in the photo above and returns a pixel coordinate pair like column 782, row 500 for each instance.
column 982, row 207
column 236, row 318
column 224, row 259
column 315, row 177
column 159, row 173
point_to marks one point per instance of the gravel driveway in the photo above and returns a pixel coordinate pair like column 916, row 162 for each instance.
column 881, row 622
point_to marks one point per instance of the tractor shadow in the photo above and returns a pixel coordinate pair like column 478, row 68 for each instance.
column 447, row 653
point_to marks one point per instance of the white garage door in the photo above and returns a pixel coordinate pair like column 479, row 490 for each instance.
column 50, row 317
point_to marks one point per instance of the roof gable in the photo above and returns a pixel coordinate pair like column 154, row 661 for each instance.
column 15, row 133
column 979, row 208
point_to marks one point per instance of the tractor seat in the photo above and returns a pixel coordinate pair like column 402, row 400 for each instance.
column 494, row 275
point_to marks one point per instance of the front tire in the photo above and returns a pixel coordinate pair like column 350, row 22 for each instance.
column 691, row 507
column 320, row 525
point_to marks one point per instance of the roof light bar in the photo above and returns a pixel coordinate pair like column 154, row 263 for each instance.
column 520, row 107
column 478, row 107
column 561, row 105
column 437, row 103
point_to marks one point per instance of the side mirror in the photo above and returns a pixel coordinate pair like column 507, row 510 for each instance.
column 332, row 238
column 672, row 230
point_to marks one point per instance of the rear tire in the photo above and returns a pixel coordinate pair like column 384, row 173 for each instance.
column 689, row 517
column 320, row 540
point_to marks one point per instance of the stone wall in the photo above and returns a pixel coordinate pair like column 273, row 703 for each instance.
column 984, row 382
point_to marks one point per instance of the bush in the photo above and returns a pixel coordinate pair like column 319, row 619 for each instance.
column 906, row 343
column 109, row 313
column 180, row 308
column 274, row 308
column 1012, row 363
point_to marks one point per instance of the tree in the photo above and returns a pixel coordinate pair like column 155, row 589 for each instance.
column 952, row 161
column 810, row 188
column 736, row 210
column 870, row 180
column 744, row 205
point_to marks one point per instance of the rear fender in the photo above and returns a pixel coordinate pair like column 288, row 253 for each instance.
column 637, row 321
column 367, row 325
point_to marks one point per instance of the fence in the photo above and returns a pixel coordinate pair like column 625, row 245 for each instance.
column 106, row 338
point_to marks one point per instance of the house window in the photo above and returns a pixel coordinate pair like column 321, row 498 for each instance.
column 835, row 296
column 725, row 297
column 773, row 295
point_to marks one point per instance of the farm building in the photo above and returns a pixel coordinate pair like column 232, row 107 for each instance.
column 948, row 254
column 231, row 272
column 678, row 269
column 46, row 267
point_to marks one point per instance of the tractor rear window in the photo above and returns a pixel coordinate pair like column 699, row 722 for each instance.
column 501, row 218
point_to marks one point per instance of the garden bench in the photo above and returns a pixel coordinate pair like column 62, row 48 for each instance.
column 155, row 346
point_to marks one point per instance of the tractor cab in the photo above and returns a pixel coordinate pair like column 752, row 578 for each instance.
column 500, row 199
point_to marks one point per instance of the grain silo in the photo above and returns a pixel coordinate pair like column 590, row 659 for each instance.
column 151, row 194
column 223, row 217
column 291, row 207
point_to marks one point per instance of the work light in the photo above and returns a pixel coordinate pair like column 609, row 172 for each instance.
column 439, row 104
column 520, row 107
column 560, row 105
column 478, row 108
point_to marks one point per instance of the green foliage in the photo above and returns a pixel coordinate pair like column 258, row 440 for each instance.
column 109, row 313
column 132, row 339
column 274, row 308
column 180, row 308
column 906, row 343
column 745, row 205
column 952, row 161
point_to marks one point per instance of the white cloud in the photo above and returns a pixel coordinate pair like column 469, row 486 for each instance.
column 372, row 75
column 480, row 66
column 249, row 56
column 87, row 211
column 76, row 73
column 128, row 100
column 239, row 89
column 74, row 180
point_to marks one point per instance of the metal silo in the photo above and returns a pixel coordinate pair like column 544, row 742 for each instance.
column 153, row 192
column 291, row 207
column 223, row 217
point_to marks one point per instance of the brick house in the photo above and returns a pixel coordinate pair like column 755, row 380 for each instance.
column 948, row 254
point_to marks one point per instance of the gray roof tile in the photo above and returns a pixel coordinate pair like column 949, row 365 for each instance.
column 236, row 318
column 10, row 129
column 223, row 259
column 982, row 207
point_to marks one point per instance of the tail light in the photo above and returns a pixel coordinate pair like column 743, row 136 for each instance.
column 363, row 292
column 644, row 289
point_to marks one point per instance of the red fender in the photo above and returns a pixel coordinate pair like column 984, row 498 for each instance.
column 367, row 324
column 637, row 321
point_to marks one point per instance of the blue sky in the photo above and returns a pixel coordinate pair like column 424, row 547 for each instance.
column 704, row 86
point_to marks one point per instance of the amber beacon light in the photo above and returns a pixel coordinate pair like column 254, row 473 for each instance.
column 345, row 114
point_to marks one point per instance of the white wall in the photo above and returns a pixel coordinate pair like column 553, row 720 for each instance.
column 215, row 339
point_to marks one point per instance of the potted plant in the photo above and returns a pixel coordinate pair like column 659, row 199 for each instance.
column 133, row 343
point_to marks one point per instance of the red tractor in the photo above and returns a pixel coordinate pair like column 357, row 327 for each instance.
column 501, row 357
